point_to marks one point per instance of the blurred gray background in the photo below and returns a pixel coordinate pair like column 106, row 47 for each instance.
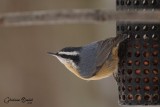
column 27, row 71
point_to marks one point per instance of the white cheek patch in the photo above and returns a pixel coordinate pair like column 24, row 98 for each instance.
column 74, row 53
column 64, row 61
column 61, row 59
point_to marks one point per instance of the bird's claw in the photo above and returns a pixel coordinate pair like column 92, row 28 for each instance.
column 115, row 75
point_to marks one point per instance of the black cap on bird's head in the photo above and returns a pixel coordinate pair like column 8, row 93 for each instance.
column 68, row 53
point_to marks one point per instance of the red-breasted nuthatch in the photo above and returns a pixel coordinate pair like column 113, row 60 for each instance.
column 93, row 61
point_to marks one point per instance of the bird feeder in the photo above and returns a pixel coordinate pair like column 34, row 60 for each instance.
column 139, row 64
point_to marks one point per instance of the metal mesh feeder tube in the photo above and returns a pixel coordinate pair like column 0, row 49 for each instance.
column 139, row 64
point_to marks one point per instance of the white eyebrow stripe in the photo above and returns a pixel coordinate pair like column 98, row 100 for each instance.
column 74, row 53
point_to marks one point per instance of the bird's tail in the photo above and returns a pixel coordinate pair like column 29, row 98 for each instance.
column 120, row 38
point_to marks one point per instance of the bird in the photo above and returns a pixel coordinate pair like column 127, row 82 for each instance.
column 93, row 61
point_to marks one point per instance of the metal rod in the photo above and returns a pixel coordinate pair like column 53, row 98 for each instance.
column 76, row 16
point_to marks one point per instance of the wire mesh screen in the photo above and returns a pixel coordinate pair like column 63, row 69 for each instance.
column 138, row 4
column 139, row 64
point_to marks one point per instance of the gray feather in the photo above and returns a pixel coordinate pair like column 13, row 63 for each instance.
column 87, row 65
column 105, row 48
column 94, row 55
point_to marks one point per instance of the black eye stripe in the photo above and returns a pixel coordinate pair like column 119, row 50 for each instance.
column 74, row 58
column 71, row 49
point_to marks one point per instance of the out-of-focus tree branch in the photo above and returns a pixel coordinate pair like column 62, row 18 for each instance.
column 76, row 16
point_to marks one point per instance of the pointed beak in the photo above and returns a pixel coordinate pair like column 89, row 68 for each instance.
column 51, row 53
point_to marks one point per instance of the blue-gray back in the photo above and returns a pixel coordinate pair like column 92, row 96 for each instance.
column 87, row 65
column 94, row 55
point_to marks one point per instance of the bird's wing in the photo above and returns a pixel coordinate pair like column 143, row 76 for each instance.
column 105, row 48
column 103, row 52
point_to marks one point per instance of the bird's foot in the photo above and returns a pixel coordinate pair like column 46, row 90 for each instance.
column 115, row 75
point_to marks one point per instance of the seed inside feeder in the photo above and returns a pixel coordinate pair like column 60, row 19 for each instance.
column 137, row 54
column 155, row 71
column 146, row 54
column 130, row 97
column 137, row 80
column 138, row 97
column 129, row 62
column 146, row 63
column 155, row 53
column 147, row 88
column 146, row 80
column 129, row 88
column 138, row 71
column 137, row 62
column 146, row 71
column 155, row 62
column 155, row 79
